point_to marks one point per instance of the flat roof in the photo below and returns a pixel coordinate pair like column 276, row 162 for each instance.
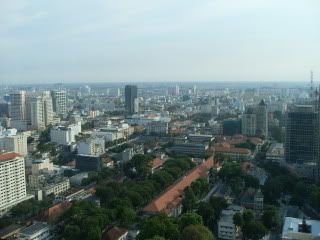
column 34, row 228
column 291, row 225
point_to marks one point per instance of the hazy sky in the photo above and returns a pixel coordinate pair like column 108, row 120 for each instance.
column 158, row 40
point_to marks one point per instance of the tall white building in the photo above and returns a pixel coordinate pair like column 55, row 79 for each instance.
column 40, row 111
column 12, row 181
column 14, row 143
column 91, row 146
column 65, row 135
column 18, row 105
column 59, row 102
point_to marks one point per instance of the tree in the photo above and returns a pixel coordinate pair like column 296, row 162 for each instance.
column 270, row 218
column 238, row 220
column 72, row 232
column 248, row 216
column 206, row 211
column 159, row 225
column 251, row 182
column 189, row 199
column 126, row 216
column 254, row 231
column 190, row 219
column 196, row 232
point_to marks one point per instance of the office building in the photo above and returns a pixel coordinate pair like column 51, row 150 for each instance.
column 59, row 102
column 12, row 181
column 249, row 122
column 131, row 99
column 302, row 135
column 261, row 112
column 18, row 105
column 302, row 140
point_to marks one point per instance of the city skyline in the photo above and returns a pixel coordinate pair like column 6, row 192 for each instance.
column 149, row 41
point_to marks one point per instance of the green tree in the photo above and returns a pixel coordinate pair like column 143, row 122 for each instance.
column 196, row 232
column 159, row 225
column 126, row 216
column 254, row 231
column 189, row 200
column 72, row 232
column 270, row 218
column 248, row 216
column 238, row 220
column 190, row 219
column 208, row 214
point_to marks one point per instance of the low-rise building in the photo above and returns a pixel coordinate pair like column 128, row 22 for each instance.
column 88, row 163
column 226, row 228
column 157, row 127
column 302, row 229
column 57, row 187
column 189, row 149
column 91, row 146
column 65, row 135
column 36, row 231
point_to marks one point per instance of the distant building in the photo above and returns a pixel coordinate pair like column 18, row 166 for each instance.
column 40, row 111
column 249, row 124
column 88, row 163
column 131, row 99
column 302, row 140
column 261, row 112
column 36, row 231
column 91, row 146
column 65, row 135
column 14, row 143
column 18, row 106
column 157, row 127
column 302, row 229
column 59, row 102
column 189, row 149
column 57, row 187
column 12, row 181
column 231, row 127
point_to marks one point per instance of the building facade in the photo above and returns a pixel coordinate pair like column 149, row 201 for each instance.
column 12, row 181
column 131, row 99
column 59, row 102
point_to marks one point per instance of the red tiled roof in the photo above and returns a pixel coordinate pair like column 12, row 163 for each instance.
column 114, row 233
column 232, row 150
column 157, row 162
column 8, row 156
column 173, row 195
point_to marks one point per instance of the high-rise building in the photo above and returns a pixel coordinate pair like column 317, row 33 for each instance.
column 131, row 99
column 262, row 119
column 18, row 105
column 302, row 135
column 59, row 102
column 12, row 181
column 249, row 124
column 15, row 143
column 40, row 111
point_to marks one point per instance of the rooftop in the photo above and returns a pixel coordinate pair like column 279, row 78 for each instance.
column 291, row 225
column 8, row 156
column 172, row 196
column 34, row 228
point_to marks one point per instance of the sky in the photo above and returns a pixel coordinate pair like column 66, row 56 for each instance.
column 45, row 41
